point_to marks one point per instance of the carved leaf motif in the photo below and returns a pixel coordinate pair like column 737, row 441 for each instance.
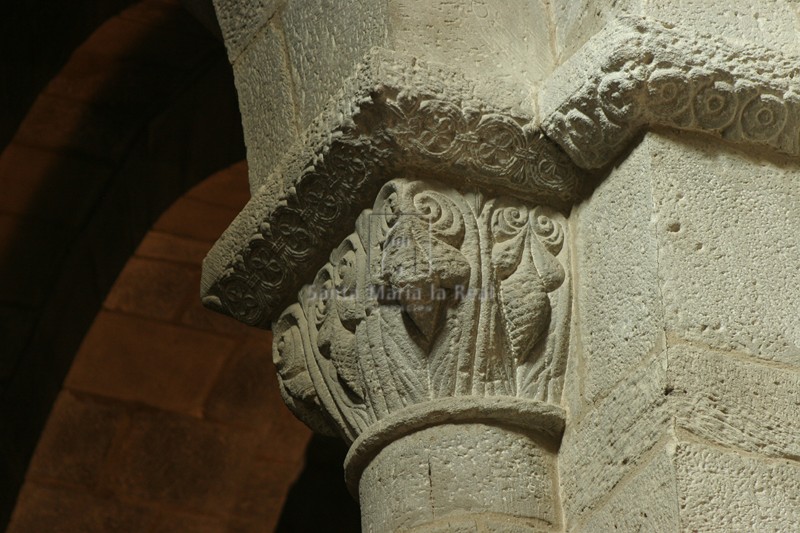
column 291, row 347
column 433, row 332
column 338, row 344
column 349, row 261
column 506, row 255
column 524, row 306
column 547, row 239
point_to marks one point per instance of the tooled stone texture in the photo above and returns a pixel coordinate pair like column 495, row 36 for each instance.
column 644, row 502
column 687, row 241
column 507, row 40
column 241, row 21
column 776, row 22
column 438, row 293
column 728, row 231
column 722, row 491
column 620, row 464
column 686, row 291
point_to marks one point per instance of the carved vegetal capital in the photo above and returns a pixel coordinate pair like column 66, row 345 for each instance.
column 442, row 305
column 398, row 117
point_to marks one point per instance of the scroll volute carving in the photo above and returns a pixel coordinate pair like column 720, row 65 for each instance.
column 438, row 293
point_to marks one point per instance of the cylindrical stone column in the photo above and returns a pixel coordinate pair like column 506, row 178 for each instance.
column 461, row 477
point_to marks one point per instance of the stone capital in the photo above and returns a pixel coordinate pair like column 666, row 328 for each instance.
column 398, row 116
column 442, row 301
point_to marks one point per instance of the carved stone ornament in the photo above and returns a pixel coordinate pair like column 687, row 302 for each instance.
column 442, row 306
column 651, row 74
column 397, row 117
column 402, row 118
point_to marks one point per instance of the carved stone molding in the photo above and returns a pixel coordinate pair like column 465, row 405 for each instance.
column 643, row 73
column 398, row 117
column 439, row 294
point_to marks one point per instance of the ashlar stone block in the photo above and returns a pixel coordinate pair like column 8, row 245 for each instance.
column 728, row 225
column 722, row 490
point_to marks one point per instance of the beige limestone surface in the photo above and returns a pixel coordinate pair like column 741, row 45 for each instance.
column 668, row 312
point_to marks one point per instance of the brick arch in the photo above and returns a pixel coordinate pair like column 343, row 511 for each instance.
column 143, row 109
column 170, row 418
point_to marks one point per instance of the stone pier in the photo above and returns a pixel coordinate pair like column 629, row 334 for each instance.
column 535, row 262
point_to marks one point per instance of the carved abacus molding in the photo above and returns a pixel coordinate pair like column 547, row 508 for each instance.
column 400, row 117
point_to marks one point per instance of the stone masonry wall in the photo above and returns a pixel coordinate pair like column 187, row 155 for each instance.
column 686, row 375
column 106, row 147
column 170, row 418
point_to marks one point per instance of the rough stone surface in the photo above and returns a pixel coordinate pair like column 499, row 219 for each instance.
column 241, row 20
column 728, row 226
column 325, row 39
column 578, row 20
column 721, row 490
column 712, row 223
column 269, row 118
column 620, row 318
column 441, row 474
column 614, row 439
column 736, row 401
column 775, row 21
column 646, row 501
column 494, row 40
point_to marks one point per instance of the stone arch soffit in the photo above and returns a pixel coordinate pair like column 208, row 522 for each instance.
column 90, row 168
column 399, row 117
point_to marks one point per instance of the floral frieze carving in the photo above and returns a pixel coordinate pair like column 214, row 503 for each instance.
column 438, row 294
column 506, row 152
column 653, row 75
column 408, row 124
